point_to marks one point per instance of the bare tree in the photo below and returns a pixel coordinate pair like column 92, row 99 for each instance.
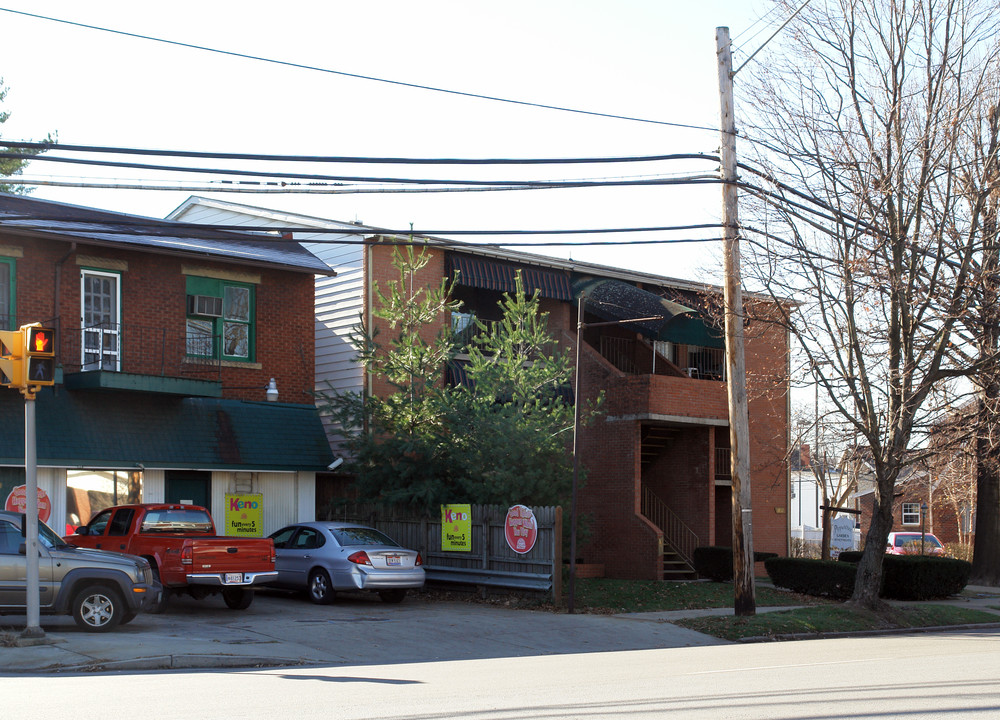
column 864, row 216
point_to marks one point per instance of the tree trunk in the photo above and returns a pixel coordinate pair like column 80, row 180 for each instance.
column 868, row 580
column 986, row 552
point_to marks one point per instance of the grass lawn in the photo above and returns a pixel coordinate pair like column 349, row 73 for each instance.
column 807, row 616
column 833, row 618
column 817, row 617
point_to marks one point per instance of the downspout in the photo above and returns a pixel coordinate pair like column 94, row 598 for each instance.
column 57, row 305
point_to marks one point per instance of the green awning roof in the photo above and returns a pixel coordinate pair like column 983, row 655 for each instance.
column 125, row 430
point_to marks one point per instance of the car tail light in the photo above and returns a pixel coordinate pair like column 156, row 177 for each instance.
column 359, row 558
column 187, row 555
column 420, row 560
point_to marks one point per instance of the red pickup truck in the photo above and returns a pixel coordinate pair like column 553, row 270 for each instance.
column 186, row 556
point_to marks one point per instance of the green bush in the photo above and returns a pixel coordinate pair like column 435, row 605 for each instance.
column 826, row 578
column 916, row 577
column 716, row 563
column 851, row 556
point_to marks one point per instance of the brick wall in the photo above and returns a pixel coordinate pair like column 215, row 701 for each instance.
column 615, row 533
column 153, row 313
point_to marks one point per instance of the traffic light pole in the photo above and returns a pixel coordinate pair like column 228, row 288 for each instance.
column 33, row 629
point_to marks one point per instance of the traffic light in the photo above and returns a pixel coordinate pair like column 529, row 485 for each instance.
column 12, row 358
column 40, row 355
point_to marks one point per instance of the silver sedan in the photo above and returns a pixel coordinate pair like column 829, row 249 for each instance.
column 325, row 557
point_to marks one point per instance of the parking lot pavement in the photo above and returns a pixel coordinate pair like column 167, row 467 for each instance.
column 284, row 629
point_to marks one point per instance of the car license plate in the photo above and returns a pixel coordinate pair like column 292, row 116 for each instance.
column 392, row 560
column 232, row 578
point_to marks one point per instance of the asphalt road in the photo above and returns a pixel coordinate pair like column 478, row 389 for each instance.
column 916, row 677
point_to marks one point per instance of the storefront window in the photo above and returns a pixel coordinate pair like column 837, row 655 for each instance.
column 90, row 491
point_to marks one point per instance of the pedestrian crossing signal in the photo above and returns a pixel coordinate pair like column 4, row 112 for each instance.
column 28, row 356
column 40, row 353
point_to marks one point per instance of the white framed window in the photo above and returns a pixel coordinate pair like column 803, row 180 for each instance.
column 911, row 513
column 100, row 297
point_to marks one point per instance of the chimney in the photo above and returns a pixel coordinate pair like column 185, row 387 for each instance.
column 805, row 460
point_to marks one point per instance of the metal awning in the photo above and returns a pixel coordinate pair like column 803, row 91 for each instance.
column 480, row 272
column 129, row 430
column 617, row 301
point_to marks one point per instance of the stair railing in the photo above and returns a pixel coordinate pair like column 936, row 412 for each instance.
column 678, row 535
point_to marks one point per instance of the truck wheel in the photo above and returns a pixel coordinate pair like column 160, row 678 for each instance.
column 98, row 609
column 393, row 596
column 321, row 590
column 237, row 598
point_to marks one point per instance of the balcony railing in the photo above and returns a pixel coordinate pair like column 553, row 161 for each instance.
column 636, row 357
column 141, row 350
column 723, row 463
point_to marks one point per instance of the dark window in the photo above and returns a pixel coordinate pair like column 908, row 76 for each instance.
column 10, row 539
column 308, row 539
column 99, row 523
column 121, row 522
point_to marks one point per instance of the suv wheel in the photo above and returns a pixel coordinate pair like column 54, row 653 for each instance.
column 98, row 609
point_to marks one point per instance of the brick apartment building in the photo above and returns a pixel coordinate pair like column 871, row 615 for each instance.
column 657, row 459
column 167, row 341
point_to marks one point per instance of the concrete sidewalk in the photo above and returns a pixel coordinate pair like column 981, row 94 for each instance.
column 285, row 630
column 281, row 629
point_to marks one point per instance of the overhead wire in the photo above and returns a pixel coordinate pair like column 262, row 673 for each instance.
column 399, row 83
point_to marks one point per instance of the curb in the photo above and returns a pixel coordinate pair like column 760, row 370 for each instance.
column 864, row 633
column 173, row 662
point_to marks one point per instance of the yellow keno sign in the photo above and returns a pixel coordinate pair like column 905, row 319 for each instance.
column 245, row 515
column 456, row 528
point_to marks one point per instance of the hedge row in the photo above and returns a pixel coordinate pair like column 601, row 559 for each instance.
column 716, row 562
column 904, row 577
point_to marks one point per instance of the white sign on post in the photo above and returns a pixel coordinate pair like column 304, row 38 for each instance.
column 842, row 533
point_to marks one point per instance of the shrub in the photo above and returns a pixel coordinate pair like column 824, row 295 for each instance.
column 916, row 577
column 827, row 578
column 716, row 563
column 851, row 556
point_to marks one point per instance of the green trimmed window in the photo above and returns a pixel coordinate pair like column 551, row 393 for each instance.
column 220, row 319
column 8, row 311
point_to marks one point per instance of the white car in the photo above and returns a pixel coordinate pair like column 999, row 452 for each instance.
column 323, row 558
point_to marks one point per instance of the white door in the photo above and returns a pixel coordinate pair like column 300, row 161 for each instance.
column 101, row 298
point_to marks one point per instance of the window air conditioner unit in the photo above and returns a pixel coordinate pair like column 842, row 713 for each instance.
column 204, row 305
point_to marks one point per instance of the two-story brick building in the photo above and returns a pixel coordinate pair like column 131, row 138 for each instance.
column 658, row 481
column 167, row 341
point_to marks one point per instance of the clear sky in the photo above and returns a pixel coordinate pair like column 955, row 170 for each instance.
column 651, row 59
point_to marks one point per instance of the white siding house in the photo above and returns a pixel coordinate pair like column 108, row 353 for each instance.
column 339, row 299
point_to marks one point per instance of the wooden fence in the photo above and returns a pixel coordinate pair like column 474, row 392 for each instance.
column 490, row 563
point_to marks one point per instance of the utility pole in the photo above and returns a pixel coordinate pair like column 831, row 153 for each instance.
column 739, row 432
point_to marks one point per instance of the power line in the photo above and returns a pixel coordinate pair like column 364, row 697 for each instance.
column 47, row 146
column 357, row 76
column 340, row 178
column 143, row 224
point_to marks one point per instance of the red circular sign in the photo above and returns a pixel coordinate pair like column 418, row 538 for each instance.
column 17, row 502
column 520, row 529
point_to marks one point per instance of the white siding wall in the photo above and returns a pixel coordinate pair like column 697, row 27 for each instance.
column 154, row 486
column 288, row 497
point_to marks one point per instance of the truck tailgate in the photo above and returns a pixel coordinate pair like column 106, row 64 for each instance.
column 220, row 554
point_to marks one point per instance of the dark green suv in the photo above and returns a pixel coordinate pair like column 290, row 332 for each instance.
column 101, row 590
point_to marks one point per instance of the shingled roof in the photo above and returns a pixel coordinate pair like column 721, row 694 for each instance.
column 43, row 218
